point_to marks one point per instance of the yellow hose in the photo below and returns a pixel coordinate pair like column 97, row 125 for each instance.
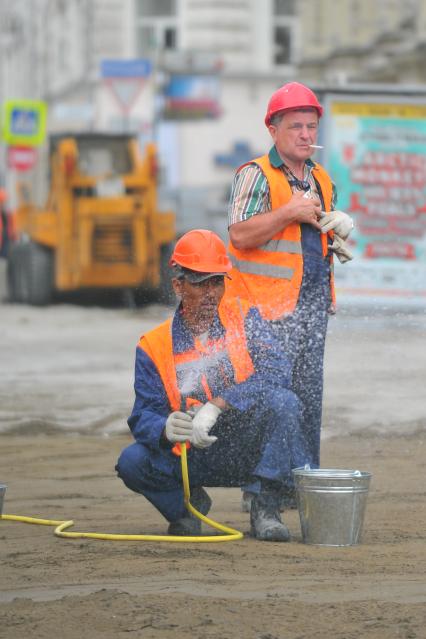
column 61, row 526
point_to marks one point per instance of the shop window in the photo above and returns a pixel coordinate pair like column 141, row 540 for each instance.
column 156, row 26
column 284, row 26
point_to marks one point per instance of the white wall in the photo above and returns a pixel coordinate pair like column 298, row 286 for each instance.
column 244, row 105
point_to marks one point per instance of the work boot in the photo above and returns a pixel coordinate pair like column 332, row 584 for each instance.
column 265, row 519
column 246, row 500
column 189, row 525
column 287, row 500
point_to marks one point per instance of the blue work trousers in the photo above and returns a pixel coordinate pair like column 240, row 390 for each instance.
column 264, row 442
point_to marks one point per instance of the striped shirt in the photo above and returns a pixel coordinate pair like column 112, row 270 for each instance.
column 250, row 193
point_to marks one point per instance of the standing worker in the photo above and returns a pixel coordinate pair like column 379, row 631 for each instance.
column 283, row 232
column 212, row 376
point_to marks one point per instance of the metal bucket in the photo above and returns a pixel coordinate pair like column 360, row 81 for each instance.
column 331, row 505
column 2, row 492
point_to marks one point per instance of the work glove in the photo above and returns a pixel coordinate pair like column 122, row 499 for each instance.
column 339, row 247
column 178, row 427
column 338, row 222
column 202, row 423
column 193, row 410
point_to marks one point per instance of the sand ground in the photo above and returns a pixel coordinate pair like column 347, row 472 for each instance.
column 65, row 391
column 107, row 589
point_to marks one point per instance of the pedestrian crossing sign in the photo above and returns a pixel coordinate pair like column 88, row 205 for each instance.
column 24, row 122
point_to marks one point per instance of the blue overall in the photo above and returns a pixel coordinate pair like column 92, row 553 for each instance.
column 259, row 437
column 302, row 337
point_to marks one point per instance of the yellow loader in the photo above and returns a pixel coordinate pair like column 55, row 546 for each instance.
column 100, row 227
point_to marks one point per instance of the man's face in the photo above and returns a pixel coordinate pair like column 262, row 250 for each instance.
column 200, row 301
column 293, row 135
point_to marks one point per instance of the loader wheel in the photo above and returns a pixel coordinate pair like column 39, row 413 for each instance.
column 166, row 294
column 17, row 279
column 14, row 273
column 37, row 284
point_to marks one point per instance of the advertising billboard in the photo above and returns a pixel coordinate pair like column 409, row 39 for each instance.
column 191, row 97
column 375, row 153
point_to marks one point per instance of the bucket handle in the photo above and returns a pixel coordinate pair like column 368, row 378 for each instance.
column 356, row 473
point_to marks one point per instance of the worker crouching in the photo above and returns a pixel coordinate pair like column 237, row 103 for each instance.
column 211, row 376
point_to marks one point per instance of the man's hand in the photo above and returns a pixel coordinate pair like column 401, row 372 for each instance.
column 178, row 427
column 338, row 222
column 304, row 209
column 202, row 423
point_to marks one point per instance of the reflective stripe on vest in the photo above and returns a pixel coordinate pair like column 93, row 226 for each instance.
column 211, row 353
column 270, row 275
column 192, row 367
column 282, row 246
column 261, row 268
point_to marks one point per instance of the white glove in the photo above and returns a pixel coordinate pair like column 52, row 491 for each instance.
column 202, row 423
column 340, row 248
column 338, row 222
column 178, row 427
column 193, row 410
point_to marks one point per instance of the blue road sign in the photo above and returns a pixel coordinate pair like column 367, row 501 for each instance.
column 135, row 68
column 240, row 153
column 23, row 122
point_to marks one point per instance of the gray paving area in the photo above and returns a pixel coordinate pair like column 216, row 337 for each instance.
column 70, row 367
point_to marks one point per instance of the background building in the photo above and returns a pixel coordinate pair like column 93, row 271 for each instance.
column 361, row 41
column 227, row 56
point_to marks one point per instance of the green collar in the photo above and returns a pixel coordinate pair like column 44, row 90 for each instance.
column 277, row 162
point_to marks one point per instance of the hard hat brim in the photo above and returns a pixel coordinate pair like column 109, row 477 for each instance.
column 195, row 277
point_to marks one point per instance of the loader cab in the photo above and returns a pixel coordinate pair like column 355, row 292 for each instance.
column 98, row 154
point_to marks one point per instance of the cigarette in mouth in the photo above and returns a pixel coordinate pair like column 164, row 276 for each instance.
column 316, row 146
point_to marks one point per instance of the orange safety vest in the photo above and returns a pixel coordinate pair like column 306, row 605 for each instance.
column 158, row 345
column 270, row 276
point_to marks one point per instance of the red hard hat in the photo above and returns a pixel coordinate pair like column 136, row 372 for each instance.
column 202, row 251
column 292, row 95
